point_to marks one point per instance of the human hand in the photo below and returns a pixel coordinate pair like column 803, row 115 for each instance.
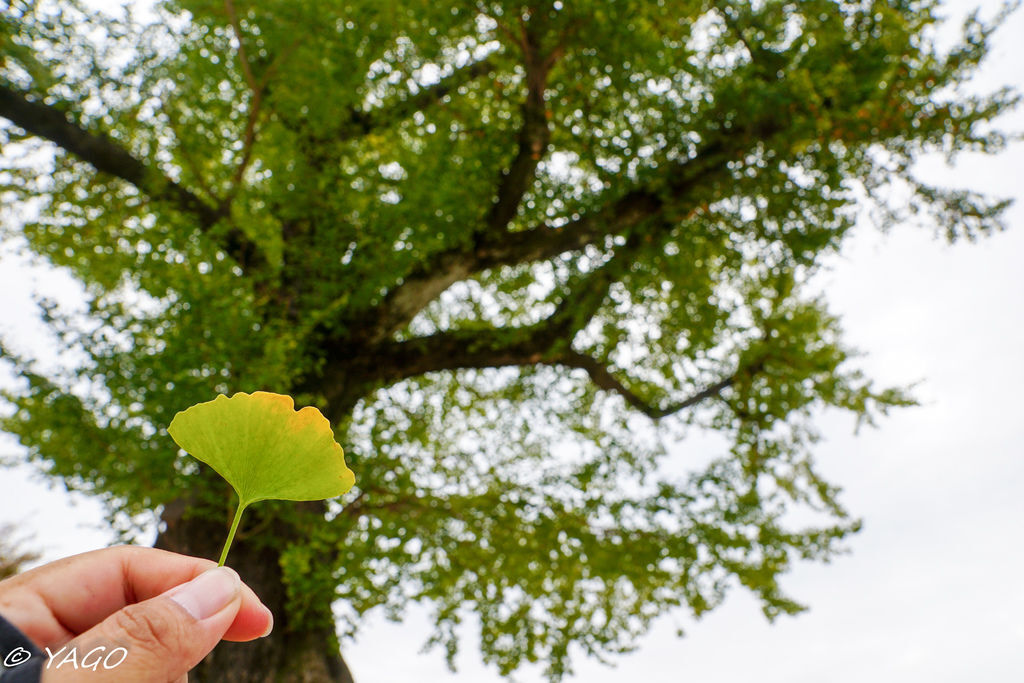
column 166, row 610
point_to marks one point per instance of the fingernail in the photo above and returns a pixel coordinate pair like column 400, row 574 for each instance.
column 208, row 593
column 270, row 623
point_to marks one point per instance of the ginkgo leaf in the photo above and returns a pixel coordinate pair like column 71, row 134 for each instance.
column 264, row 448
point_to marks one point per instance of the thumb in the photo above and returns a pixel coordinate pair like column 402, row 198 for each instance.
column 159, row 639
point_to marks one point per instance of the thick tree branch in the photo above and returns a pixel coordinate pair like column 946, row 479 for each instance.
column 107, row 156
column 427, row 283
column 351, row 370
column 98, row 150
column 435, row 275
column 499, row 346
column 548, row 342
column 542, row 344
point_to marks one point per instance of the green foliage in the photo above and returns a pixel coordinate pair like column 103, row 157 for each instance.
column 491, row 242
column 13, row 553
column 264, row 449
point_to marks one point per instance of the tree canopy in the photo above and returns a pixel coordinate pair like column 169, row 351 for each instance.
column 514, row 251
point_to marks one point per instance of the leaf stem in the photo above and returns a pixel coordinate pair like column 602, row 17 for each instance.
column 231, row 534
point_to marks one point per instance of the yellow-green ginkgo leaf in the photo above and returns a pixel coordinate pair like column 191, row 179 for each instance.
column 264, row 448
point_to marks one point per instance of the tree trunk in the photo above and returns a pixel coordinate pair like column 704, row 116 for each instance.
column 292, row 653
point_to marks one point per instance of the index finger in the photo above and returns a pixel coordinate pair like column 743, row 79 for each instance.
column 80, row 591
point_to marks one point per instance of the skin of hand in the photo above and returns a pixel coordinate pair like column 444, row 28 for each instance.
column 167, row 610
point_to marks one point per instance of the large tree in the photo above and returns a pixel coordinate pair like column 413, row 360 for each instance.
column 511, row 249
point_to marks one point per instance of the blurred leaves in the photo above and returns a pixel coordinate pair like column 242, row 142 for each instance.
column 13, row 553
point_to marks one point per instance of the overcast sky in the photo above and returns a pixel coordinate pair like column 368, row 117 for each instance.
column 932, row 589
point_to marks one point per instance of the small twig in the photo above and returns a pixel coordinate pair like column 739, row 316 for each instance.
column 258, row 89
column 602, row 377
column 250, row 78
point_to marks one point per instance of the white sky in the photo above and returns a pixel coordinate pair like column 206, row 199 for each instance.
column 932, row 589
